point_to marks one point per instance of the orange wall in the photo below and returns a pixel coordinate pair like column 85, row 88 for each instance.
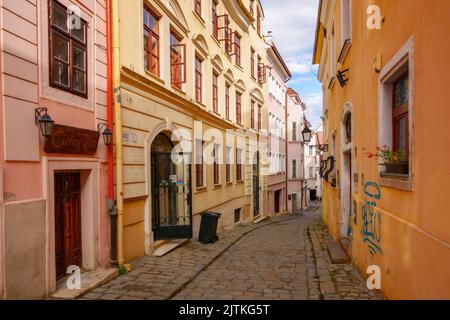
column 415, row 226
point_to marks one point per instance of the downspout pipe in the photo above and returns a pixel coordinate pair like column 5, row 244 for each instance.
column 117, row 128
column 112, row 211
column 287, row 148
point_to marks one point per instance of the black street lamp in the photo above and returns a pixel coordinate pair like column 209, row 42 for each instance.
column 45, row 122
column 107, row 134
column 307, row 136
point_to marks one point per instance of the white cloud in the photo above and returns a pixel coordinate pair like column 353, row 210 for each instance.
column 314, row 107
column 293, row 24
column 298, row 68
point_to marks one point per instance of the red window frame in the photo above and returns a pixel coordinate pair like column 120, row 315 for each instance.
column 215, row 88
column 400, row 112
column 227, row 34
column 261, row 71
column 238, row 164
column 199, row 174
column 215, row 20
column 252, row 62
column 198, row 7
column 227, row 101
column 177, row 61
column 238, row 108
column 198, row 79
column 252, row 114
column 216, row 151
column 228, row 165
column 252, row 10
column 73, row 44
column 258, row 23
column 151, row 56
column 237, row 48
column 259, row 117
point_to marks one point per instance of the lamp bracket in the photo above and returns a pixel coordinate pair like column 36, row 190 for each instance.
column 38, row 113
column 101, row 126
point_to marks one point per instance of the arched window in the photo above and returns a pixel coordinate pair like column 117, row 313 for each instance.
column 348, row 128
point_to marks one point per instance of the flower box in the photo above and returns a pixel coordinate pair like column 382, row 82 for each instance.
column 398, row 167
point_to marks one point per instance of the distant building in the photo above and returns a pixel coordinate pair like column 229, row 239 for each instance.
column 312, row 168
column 296, row 175
column 278, row 75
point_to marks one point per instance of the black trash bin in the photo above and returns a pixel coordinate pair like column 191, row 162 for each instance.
column 208, row 227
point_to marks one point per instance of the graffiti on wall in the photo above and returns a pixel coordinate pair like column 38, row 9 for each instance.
column 371, row 226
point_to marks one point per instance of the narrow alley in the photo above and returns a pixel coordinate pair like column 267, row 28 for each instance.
column 284, row 259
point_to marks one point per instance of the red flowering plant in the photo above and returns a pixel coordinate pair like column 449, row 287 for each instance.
column 387, row 155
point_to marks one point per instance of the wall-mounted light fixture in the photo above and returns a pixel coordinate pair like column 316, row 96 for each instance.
column 342, row 77
column 44, row 121
column 307, row 135
column 106, row 133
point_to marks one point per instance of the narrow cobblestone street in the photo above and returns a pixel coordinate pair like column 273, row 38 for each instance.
column 283, row 259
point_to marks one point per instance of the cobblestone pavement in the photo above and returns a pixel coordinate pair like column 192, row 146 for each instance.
column 285, row 258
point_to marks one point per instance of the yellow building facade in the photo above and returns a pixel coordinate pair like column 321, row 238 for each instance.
column 187, row 81
column 381, row 68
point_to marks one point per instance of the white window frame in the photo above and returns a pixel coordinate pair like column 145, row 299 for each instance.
column 402, row 59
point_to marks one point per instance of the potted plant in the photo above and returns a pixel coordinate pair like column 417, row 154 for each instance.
column 395, row 162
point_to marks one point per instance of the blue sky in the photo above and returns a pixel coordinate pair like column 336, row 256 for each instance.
column 293, row 24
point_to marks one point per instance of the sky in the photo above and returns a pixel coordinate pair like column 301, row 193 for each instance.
column 293, row 25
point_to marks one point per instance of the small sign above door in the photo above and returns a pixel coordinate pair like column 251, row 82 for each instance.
column 71, row 140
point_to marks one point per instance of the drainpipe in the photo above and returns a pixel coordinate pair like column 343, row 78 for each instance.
column 117, row 128
column 287, row 146
column 110, row 114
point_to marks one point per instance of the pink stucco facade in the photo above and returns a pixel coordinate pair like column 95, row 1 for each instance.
column 296, row 158
column 278, row 75
column 27, row 173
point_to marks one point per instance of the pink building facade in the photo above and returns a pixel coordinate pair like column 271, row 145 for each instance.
column 278, row 75
column 53, row 206
column 296, row 159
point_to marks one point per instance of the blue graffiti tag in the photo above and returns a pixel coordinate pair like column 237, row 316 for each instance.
column 371, row 228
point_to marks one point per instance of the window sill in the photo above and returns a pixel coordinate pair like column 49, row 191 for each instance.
column 215, row 40
column 229, row 183
column 332, row 82
column 217, row 186
column 154, row 77
column 240, row 182
column 344, row 51
column 396, row 181
column 200, row 189
column 178, row 90
column 199, row 17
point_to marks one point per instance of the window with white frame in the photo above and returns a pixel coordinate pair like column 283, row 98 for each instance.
column 395, row 120
column 345, row 20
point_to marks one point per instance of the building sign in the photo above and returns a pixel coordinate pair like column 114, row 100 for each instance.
column 72, row 140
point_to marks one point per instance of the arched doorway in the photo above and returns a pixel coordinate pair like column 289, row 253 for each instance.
column 171, row 192
column 347, row 170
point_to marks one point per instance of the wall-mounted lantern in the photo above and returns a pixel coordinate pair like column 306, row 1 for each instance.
column 342, row 77
column 44, row 121
column 307, row 135
column 107, row 134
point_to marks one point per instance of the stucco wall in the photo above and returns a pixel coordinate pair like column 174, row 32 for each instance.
column 25, row 247
column 412, row 228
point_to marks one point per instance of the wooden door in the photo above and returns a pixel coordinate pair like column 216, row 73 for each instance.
column 67, row 221
column 277, row 201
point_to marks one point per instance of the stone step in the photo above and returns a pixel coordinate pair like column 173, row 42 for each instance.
column 336, row 252
column 89, row 281
column 169, row 246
